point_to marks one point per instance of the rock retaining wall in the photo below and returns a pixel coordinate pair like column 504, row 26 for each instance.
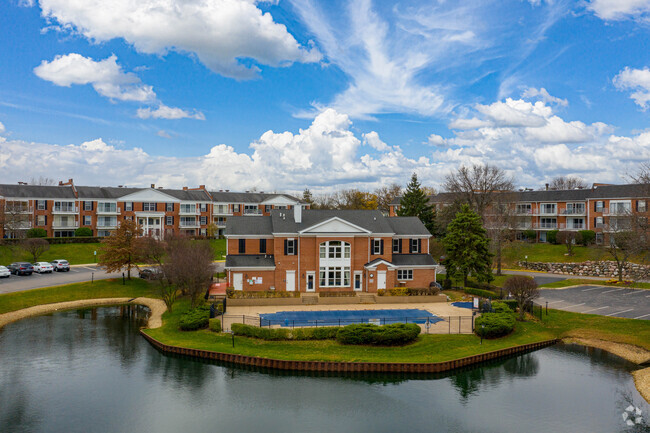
column 592, row 269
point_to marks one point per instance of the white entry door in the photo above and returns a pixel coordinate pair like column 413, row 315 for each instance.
column 238, row 281
column 311, row 282
column 291, row 281
column 381, row 280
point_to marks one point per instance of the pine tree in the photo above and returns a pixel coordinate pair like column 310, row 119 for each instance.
column 416, row 203
column 307, row 197
column 466, row 246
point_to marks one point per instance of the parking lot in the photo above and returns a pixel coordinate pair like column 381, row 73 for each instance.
column 16, row 283
column 601, row 300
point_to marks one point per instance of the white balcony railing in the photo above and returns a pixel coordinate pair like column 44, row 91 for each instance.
column 65, row 224
column 573, row 211
column 65, row 209
column 108, row 210
column 252, row 211
column 11, row 209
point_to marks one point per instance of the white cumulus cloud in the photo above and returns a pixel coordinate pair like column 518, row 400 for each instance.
column 619, row 9
column 165, row 112
column 2, row 128
column 637, row 80
column 218, row 32
column 372, row 139
column 106, row 77
column 542, row 93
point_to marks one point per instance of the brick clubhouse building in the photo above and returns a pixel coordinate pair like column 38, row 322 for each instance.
column 327, row 250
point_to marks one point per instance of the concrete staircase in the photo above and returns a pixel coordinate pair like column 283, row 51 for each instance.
column 366, row 298
column 309, row 298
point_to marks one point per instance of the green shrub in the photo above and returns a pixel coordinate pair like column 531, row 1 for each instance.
column 530, row 235
column 408, row 291
column 511, row 303
column 197, row 318
column 337, row 294
column 494, row 325
column 215, row 325
column 446, row 284
column 260, row 294
column 481, row 293
column 324, row 333
column 83, row 232
column 551, row 236
column 261, row 333
column 36, row 232
column 388, row 335
column 587, row 237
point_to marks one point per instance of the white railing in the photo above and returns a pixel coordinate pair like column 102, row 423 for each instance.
column 65, row 225
column 18, row 209
column 102, row 209
column 189, row 224
column 252, row 211
column 186, row 211
column 573, row 211
column 59, row 209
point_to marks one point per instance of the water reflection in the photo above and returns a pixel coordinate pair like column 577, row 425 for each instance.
column 91, row 370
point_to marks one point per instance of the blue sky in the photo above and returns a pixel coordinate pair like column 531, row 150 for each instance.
column 288, row 94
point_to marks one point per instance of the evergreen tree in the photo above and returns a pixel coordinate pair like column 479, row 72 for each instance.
column 307, row 197
column 415, row 202
column 466, row 245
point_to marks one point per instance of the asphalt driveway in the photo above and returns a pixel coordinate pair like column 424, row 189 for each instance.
column 601, row 300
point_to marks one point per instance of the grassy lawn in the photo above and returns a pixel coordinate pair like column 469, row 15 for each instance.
column 78, row 254
column 542, row 252
column 428, row 348
column 71, row 292
column 582, row 282
column 498, row 280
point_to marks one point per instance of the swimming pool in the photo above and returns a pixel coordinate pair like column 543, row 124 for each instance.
column 347, row 317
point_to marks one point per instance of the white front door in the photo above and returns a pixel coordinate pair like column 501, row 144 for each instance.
column 311, row 282
column 291, row 281
column 381, row 280
column 238, row 281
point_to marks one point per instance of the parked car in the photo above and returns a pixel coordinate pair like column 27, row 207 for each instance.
column 149, row 274
column 60, row 265
column 21, row 268
column 43, row 267
column 4, row 272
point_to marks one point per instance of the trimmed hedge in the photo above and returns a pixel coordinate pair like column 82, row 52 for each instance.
column 481, row 293
column 215, row 325
column 337, row 294
column 260, row 294
column 197, row 318
column 396, row 334
column 587, row 237
column 36, row 232
column 497, row 324
column 83, row 232
column 277, row 334
column 510, row 303
column 551, row 236
column 408, row 291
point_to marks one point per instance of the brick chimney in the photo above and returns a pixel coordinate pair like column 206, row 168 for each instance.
column 185, row 188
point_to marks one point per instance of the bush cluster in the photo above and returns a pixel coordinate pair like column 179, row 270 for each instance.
column 215, row 325
column 276, row 334
column 497, row 324
column 551, row 236
column 259, row 294
column 482, row 293
column 83, row 232
column 615, row 282
column 387, row 335
column 510, row 303
column 337, row 294
column 36, row 232
column 587, row 237
column 408, row 291
column 196, row 318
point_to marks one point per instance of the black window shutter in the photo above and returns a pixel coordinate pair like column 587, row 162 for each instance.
column 595, row 221
column 46, row 219
column 262, row 246
column 400, row 246
column 45, row 204
column 381, row 246
column 419, row 245
column 295, row 247
column 92, row 205
column 286, row 244
column 410, row 245
column 595, row 206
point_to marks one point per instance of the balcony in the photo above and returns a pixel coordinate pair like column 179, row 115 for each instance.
column 524, row 212
column 189, row 211
column 13, row 209
column 65, row 224
column 217, row 211
column 65, row 210
column 616, row 211
column 572, row 212
column 220, row 223
column 257, row 212
column 108, row 211
column 189, row 224
column 575, row 227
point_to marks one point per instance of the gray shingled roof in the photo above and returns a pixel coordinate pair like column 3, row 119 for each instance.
column 413, row 260
column 107, row 192
column 407, row 226
column 245, row 197
column 250, row 261
column 36, row 191
column 622, row 191
column 371, row 220
column 249, row 225
column 187, row 194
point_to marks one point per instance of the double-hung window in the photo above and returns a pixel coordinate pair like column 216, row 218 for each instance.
column 397, row 246
column 377, row 246
column 242, row 246
column 149, row 207
column 405, row 274
column 290, row 247
column 415, row 245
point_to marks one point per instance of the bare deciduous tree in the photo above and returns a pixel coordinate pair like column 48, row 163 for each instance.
column 189, row 266
column 156, row 252
column 42, row 181
column 35, row 247
column 567, row 182
column 386, row 195
column 120, row 249
column 569, row 239
column 523, row 289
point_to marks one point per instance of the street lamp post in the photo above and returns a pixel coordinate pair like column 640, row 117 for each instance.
column 482, row 331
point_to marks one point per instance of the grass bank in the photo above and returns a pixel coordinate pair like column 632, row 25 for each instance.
column 112, row 288
column 428, row 348
column 583, row 282
column 78, row 254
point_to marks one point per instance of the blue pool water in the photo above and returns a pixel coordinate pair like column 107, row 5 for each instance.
column 469, row 305
column 347, row 317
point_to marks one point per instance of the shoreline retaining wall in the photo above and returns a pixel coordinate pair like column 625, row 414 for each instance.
column 605, row 269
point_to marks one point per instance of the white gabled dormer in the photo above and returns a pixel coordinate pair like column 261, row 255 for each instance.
column 334, row 225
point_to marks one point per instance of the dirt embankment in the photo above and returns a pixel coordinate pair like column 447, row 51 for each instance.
column 156, row 306
column 635, row 354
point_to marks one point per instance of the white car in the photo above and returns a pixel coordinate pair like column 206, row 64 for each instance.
column 43, row 267
column 4, row 272
column 60, row 265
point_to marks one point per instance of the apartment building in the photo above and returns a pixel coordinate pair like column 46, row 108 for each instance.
column 601, row 208
column 327, row 250
column 62, row 209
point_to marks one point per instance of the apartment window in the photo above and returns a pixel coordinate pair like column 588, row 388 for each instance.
column 641, row 206
column 204, row 207
column 377, row 246
column 104, row 207
column 405, row 274
column 267, row 208
column 235, row 208
column 599, row 238
column 41, row 220
column 251, row 210
column 103, row 233
column 290, row 247
column 149, row 207
column 188, row 221
column 128, row 218
column 170, row 220
column 334, row 276
column 88, row 205
column 548, row 223
column 204, row 220
column 221, row 208
column 548, row 208
column 242, row 246
column 598, row 222
column 598, row 206
column 397, row 246
column 169, row 207
column 188, row 208
column 334, row 250
column 41, row 204
column 415, row 245
column 106, row 221
column 87, row 220
column 128, row 206
column 64, row 206
column 524, row 209
column 262, row 246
